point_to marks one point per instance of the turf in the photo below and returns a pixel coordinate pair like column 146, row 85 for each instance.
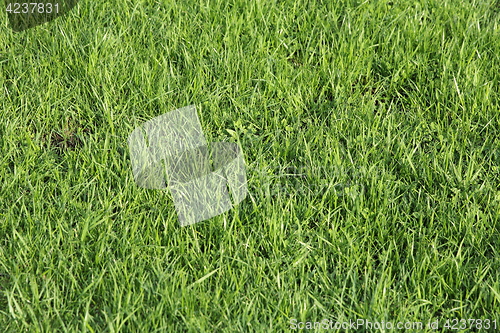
column 371, row 132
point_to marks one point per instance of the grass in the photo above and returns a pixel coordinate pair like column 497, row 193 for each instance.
column 371, row 135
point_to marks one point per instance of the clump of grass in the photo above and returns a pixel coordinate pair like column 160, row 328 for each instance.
column 370, row 131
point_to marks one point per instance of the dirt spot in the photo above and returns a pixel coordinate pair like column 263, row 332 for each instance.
column 68, row 138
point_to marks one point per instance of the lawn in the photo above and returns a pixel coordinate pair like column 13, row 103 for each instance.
column 371, row 134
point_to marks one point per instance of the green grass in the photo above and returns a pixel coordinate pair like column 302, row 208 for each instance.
column 371, row 132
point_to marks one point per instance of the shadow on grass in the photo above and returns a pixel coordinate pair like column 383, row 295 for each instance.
column 4, row 284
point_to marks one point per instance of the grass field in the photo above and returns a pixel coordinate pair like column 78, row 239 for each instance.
column 371, row 133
